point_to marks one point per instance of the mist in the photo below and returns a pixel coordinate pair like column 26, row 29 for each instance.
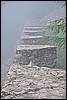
column 14, row 14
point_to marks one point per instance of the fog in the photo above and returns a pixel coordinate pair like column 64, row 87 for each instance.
column 14, row 15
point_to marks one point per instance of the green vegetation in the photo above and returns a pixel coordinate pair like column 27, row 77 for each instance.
column 57, row 36
column 57, row 30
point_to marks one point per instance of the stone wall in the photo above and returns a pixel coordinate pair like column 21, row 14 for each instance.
column 37, row 81
column 27, row 82
column 35, row 34
column 40, row 57
column 32, row 47
column 34, row 41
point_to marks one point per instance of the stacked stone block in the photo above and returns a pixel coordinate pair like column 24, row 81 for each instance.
column 31, row 48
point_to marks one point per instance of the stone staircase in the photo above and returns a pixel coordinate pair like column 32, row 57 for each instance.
column 32, row 48
column 29, row 76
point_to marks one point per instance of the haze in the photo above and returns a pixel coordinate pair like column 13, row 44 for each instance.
column 14, row 14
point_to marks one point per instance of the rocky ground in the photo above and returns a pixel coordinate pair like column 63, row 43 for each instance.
column 26, row 82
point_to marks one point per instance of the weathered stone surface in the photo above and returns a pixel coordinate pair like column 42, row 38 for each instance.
column 40, row 55
column 33, row 48
column 34, row 83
